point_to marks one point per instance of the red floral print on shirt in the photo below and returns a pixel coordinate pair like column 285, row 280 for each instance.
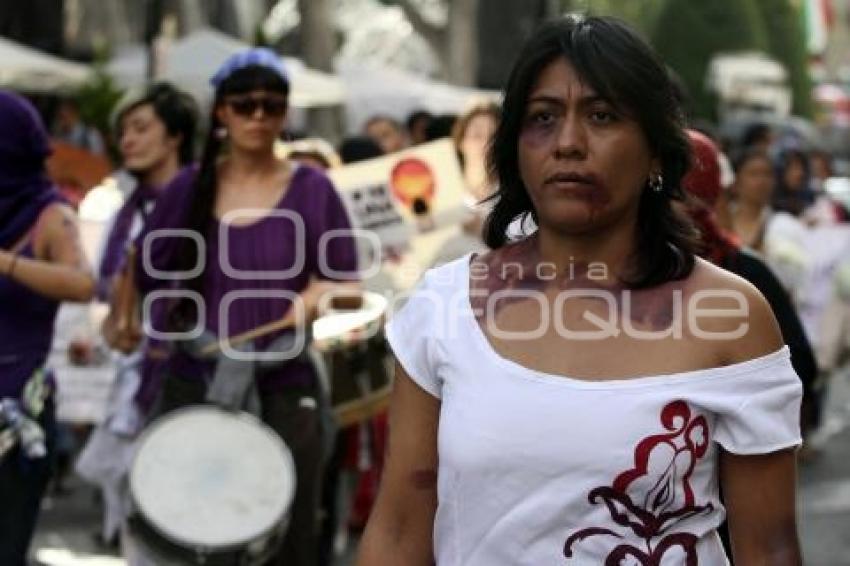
column 654, row 495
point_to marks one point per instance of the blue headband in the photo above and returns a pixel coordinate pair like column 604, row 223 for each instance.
column 261, row 56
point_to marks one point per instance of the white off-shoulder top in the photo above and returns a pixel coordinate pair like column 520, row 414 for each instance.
column 540, row 470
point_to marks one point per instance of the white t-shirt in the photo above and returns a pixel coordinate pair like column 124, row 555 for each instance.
column 538, row 469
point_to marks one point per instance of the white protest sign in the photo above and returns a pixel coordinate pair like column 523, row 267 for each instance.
column 412, row 200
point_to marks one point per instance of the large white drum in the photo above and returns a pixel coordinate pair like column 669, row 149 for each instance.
column 211, row 485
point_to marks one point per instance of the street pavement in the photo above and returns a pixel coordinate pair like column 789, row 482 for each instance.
column 824, row 495
column 66, row 532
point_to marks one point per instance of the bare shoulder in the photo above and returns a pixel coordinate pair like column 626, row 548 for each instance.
column 54, row 220
column 58, row 212
column 736, row 309
column 57, row 235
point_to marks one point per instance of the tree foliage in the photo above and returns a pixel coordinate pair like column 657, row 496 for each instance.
column 786, row 42
column 456, row 42
column 688, row 34
column 639, row 13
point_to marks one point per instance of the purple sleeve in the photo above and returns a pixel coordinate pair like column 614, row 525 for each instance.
column 339, row 250
column 169, row 213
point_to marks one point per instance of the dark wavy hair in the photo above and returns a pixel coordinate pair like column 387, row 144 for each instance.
column 200, row 213
column 793, row 200
column 177, row 110
column 623, row 69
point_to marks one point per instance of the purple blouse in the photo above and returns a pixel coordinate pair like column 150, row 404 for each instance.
column 26, row 331
column 26, row 317
column 246, row 265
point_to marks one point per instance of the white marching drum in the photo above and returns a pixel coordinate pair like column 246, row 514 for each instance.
column 210, row 487
column 352, row 344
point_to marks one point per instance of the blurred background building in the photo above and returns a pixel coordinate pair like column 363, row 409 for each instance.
column 772, row 53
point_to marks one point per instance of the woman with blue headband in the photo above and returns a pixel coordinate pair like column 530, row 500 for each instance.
column 41, row 264
column 274, row 233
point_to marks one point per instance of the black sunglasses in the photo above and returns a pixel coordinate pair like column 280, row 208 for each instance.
column 246, row 106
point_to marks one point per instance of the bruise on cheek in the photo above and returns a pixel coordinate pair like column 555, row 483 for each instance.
column 536, row 135
column 424, row 480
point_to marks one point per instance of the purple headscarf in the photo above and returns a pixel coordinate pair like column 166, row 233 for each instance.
column 24, row 187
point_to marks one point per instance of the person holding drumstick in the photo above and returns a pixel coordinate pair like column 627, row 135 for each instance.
column 274, row 240
column 155, row 128
column 42, row 263
column 577, row 397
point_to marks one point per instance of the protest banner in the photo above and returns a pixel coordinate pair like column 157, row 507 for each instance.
column 412, row 200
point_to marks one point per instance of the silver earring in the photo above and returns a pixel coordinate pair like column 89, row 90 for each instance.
column 656, row 182
column 221, row 133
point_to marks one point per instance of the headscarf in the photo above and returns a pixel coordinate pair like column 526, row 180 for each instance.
column 25, row 189
column 702, row 183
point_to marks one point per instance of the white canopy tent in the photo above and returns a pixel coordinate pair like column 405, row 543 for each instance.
column 378, row 90
column 192, row 60
column 26, row 69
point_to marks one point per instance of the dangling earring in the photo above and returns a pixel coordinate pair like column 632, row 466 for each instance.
column 656, row 182
column 221, row 133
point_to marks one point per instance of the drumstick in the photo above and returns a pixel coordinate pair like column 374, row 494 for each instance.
column 286, row 322
column 343, row 302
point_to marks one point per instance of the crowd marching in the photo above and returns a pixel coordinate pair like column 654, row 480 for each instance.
column 219, row 265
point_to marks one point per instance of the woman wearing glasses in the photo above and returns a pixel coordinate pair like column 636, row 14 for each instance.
column 262, row 221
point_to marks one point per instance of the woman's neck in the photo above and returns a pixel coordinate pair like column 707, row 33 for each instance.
column 245, row 166
column 749, row 210
column 162, row 174
column 475, row 175
column 608, row 254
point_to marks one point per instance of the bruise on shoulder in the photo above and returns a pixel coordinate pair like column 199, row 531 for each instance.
column 65, row 245
column 506, row 268
column 515, row 267
column 424, row 479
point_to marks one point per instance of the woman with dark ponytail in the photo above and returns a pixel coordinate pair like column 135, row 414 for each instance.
column 262, row 239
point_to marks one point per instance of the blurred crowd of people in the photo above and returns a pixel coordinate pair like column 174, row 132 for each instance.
column 773, row 200
column 761, row 203
column 154, row 133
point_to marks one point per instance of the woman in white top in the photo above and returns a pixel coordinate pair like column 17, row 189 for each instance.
column 580, row 396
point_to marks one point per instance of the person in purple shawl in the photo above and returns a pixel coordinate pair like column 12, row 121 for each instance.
column 41, row 264
column 155, row 129
column 275, row 234
column 156, row 137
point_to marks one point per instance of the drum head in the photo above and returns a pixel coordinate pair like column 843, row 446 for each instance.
column 207, row 478
column 338, row 323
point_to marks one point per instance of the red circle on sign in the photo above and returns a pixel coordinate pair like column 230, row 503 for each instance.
column 412, row 179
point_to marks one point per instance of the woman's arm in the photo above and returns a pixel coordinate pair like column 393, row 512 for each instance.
column 759, row 493
column 60, row 270
column 759, row 490
column 402, row 522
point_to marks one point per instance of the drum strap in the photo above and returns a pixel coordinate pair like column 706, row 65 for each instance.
column 234, row 387
column 233, row 384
